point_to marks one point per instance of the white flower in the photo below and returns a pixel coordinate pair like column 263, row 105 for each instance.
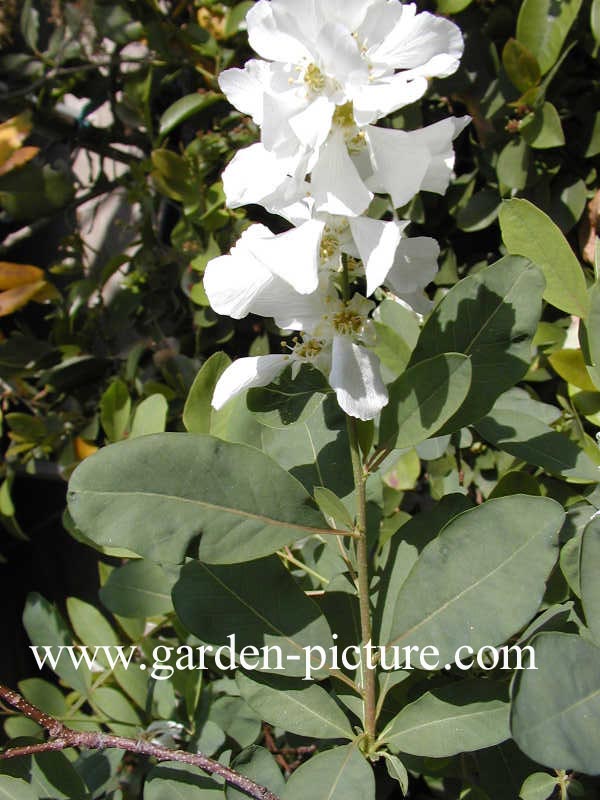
column 335, row 341
column 414, row 267
column 351, row 165
column 322, row 54
column 272, row 276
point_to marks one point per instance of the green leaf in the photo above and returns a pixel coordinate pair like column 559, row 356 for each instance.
column 570, row 365
column 53, row 775
column 296, row 706
column 543, row 25
column 397, row 331
column 150, row 416
column 589, row 335
column 525, row 437
column 289, row 400
column 236, row 17
column 235, row 717
column 457, row 718
column 246, row 609
column 197, row 411
column 89, row 625
column 424, row 398
column 539, row 786
column 15, row 789
column 452, row 6
column 589, row 571
column 115, row 706
column 404, row 552
column 332, row 508
column 515, row 482
column 514, row 164
column 520, row 65
column 338, row 774
column 33, row 191
column 480, row 211
column 595, row 19
column 46, row 627
column 138, row 589
column 260, row 766
column 555, row 708
column 397, row 771
column 132, row 494
column 30, row 24
column 115, row 409
column 511, row 544
column 315, row 451
column 45, row 696
column 180, row 782
column 492, row 317
column 529, row 232
column 543, row 129
column 184, row 108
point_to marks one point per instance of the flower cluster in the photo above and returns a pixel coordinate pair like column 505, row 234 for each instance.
column 330, row 69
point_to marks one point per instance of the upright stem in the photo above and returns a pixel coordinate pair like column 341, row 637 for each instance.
column 362, row 559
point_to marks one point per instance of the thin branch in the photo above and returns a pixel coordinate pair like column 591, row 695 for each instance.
column 62, row 738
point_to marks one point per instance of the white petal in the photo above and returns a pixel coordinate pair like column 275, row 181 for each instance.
column 312, row 125
column 253, row 174
column 278, row 110
column 273, row 36
column 245, row 88
column 415, row 41
column 415, row 265
column 380, row 20
column 438, row 138
column 246, row 373
column 400, row 163
column 404, row 163
column 349, row 13
column 339, row 55
column 375, row 100
column 356, row 378
column 291, row 310
column 376, row 242
column 335, row 183
column 233, row 282
column 293, row 255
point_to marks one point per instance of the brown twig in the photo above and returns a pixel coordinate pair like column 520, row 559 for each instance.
column 62, row 737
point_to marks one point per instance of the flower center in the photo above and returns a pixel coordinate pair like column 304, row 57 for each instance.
column 309, row 349
column 343, row 116
column 347, row 322
column 330, row 245
column 314, row 78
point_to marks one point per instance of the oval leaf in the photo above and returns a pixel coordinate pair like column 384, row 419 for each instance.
column 526, row 437
column 184, row 108
column 424, row 398
column 296, row 706
column 543, row 25
column 138, row 589
column 511, row 544
column 246, row 609
column 469, row 715
column 133, row 495
column 589, row 571
column 529, row 232
column 492, row 317
column 338, row 774
column 543, row 129
column 556, row 707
